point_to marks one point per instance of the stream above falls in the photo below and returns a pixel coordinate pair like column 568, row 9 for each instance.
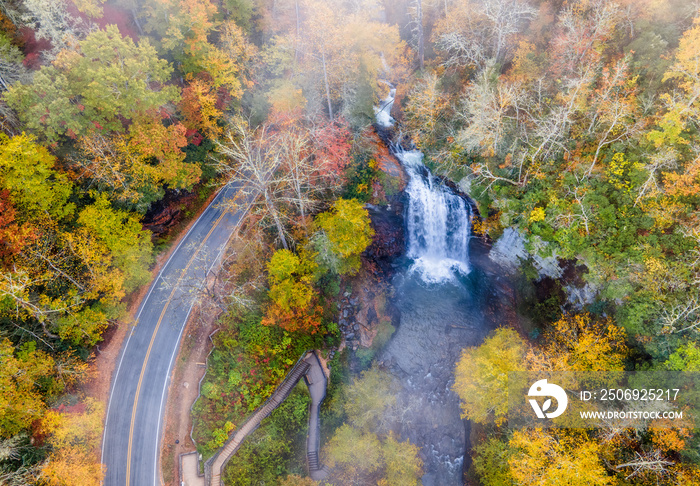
column 447, row 301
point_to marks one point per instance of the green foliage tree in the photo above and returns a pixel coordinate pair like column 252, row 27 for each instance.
column 685, row 358
column 354, row 456
column 370, row 401
column 491, row 462
column 357, row 457
column 107, row 81
column 403, row 466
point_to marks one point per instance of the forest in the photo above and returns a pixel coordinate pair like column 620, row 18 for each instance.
column 575, row 123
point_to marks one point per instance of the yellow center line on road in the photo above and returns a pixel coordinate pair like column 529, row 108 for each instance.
column 150, row 346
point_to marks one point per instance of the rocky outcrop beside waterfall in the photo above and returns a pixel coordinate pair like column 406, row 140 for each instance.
column 510, row 252
column 388, row 243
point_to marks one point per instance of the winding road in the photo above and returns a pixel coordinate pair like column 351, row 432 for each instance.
column 133, row 424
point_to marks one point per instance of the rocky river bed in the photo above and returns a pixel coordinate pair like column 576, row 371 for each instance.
column 436, row 323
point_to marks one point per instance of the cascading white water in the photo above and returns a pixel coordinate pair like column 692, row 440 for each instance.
column 382, row 112
column 437, row 220
column 437, row 223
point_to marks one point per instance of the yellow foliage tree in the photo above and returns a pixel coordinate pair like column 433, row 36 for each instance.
column 75, row 441
column 481, row 375
column 21, row 401
column 548, row 459
column 347, row 233
column 584, row 343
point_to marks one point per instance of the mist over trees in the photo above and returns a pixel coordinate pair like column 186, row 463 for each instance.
column 575, row 122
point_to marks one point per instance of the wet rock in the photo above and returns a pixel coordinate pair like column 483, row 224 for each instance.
column 388, row 242
column 509, row 249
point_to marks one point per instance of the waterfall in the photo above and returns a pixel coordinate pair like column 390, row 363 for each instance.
column 383, row 111
column 438, row 221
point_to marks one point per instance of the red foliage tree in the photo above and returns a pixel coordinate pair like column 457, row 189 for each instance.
column 13, row 237
column 332, row 142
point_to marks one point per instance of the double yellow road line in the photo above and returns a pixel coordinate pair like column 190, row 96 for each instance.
column 150, row 346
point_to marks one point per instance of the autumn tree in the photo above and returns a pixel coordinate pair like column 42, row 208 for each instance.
column 481, row 375
column 293, row 296
column 66, row 278
column 332, row 145
column 51, row 20
column 556, row 458
column 124, row 238
column 491, row 111
column 290, row 280
column 476, row 31
column 585, row 343
column 199, row 108
column 74, row 437
column 113, row 167
column 251, row 159
column 185, row 35
column 107, row 81
column 319, row 47
column 12, row 69
column 344, row 234
column 426, row 110
column 21, row 373
column 27, row 172
column 296, row 480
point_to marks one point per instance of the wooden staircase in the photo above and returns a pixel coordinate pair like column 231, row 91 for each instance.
column 215, row 465
column 312, row 459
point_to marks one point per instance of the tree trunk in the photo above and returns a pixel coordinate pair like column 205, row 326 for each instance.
column 421, row 40
column 136, row 21
column 273, row 211
column 328, row 89
column 296, row 40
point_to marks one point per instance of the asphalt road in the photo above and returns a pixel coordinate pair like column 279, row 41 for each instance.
column 133, row 426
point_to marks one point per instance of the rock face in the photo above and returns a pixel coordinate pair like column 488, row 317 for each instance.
column 167, row 212
column 509, row 249
column 388, row 243
column 361, row 311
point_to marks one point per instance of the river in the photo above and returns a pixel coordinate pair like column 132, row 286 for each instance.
column 447, row 301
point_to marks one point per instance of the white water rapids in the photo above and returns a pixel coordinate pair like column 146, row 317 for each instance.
column 438, row 221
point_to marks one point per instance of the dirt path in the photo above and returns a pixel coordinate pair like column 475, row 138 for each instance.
column 184, row 389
